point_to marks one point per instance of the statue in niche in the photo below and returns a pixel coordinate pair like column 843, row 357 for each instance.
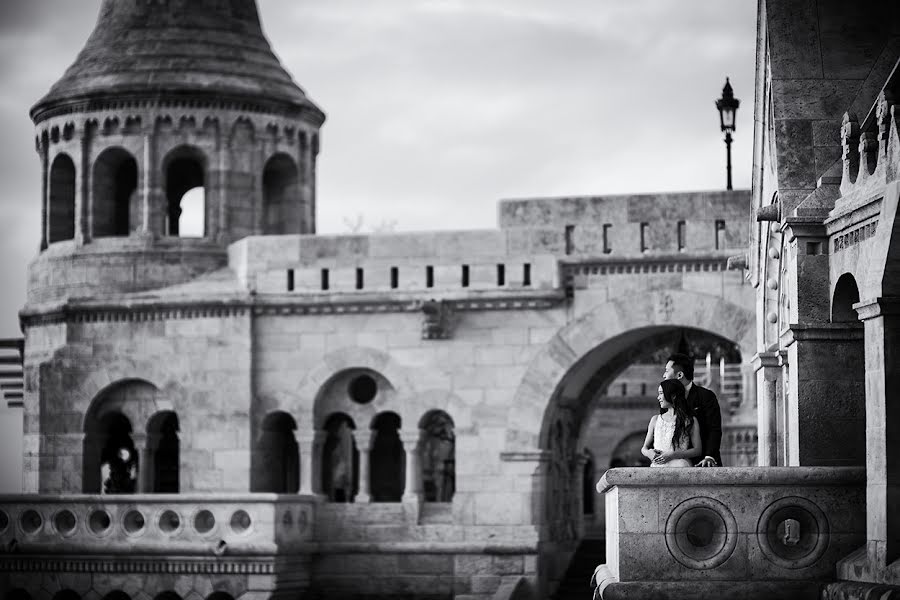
column 119, row 471
column 340, row 463
column 438, row 458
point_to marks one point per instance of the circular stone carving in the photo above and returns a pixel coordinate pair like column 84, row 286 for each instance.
column 4, row 521
column 792, row 532
column 169, row 521
column 134, row 522
column 362, row 389
column 240, row 521
column 64, row 521
column 99, row 522
column 31, row 521
column 701, row 533
column 204, row 521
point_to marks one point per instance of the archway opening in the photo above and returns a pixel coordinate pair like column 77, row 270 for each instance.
column 281, row 196
column 111, row 462
column 846, row 294
column 277, row 457
column 438, row 457
column 387, row 459
column 340, row 459
column 61, row 201
column 627, row 453
column 117, row 595
column 185, row 193
column 66, row 595
column 115, row 180
column 164, row 453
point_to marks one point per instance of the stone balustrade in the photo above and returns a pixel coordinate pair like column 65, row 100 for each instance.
column 776, row 532
column 148, row 524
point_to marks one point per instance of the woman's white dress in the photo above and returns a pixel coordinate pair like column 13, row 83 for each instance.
column 662, row 440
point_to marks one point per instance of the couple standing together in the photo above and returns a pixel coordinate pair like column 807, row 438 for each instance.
column 689, row 423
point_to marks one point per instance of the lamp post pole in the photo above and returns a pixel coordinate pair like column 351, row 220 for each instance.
column 728, row 153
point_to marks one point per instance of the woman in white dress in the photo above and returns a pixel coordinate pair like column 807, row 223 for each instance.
column 673, row 435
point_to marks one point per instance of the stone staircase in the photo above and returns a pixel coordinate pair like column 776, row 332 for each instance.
column 576, row 583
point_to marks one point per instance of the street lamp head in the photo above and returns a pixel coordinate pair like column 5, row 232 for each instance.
column 727, row 106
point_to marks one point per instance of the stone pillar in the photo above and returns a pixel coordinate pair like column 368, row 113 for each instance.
column 412, row 487
column 145, row 175
column 310, row 443
column 364, row 445
column 881, row 319
column 43, row 150
column 84, row 207
column 144, row 483
column 767, row 375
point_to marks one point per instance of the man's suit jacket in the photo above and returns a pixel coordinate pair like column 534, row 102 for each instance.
column 704, row 407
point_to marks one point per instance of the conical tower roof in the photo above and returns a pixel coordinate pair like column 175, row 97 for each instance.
column 166, row 49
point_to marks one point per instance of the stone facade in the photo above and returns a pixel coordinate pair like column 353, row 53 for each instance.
column 398, row 415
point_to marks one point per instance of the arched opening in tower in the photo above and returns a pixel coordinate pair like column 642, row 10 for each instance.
column 111, row 462
column 115, row 199
column 276, row 460
column 438, row 457
column 846, row 294
column 185, row 193
column 61, row 203
column 282, row 208
column 388, row 459
column 340, row 459
column 164, row 453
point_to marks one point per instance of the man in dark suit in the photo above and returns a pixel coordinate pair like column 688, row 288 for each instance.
column 704, row 407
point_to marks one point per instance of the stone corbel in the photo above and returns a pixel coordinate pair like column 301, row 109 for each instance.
column 850, row 154
column 438, row 320
column 883, row 118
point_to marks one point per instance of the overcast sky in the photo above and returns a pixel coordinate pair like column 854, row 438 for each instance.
column 439, row 108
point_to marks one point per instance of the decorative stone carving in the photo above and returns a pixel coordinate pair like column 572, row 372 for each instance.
column 793, row 532
column 701, row 533
column 438, row 320
column 850, row 145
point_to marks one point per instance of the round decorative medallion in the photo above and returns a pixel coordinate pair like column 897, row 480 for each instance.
column 792, row 532
column 701, row 533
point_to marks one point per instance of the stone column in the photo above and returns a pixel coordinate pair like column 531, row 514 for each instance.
column 881, row 319
column 310, row 443
column 412, row 483
column 84, row 207
column 43, row 150
column 363, row 444
column 144, row 483
column 767, row 375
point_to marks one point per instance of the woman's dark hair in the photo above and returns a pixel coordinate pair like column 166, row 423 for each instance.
column 673, row 392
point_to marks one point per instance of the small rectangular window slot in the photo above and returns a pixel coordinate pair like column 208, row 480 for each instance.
column 429, row 276
column 624, row 389
column 465, row 275
column 813, row 248
column 324, row 279
column 501, row 275
column 570, row 239
column 681, row 236
column 395, row 278
column 359, row 278
column 720, row 235
column 645, row 228
column 290, row 280
column 526, row 274
column 607, row 243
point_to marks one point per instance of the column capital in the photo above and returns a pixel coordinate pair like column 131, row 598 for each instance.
column 884, row 306
column 410, row 437
column 363, row 439
column 764, row 360
column 316, row 436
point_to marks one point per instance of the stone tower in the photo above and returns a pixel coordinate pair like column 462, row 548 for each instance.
column 168, row 96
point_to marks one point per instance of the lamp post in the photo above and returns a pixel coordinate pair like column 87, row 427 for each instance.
column 728, row 106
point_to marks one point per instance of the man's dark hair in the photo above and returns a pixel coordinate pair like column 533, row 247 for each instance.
column 683, row 363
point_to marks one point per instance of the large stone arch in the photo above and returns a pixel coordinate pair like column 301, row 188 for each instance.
column 614, row 319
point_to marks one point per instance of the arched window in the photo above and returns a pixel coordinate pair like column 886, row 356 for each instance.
column 17, row 594
column 111, row 463
column 340, row 460
column 387, row 459
column 167, row 595
column 281, row 196
column 115, row 181
column 164, row 453
column 627, row 452
column 846, row 294
column 276, row 460
column 438, row 457
column 185, row 170
column 220, row 596
column 66, row 595
column 61, row 208
column 117, row 595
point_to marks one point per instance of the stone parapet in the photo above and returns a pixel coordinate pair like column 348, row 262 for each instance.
column 779, row 531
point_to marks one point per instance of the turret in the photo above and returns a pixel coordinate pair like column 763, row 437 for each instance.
column 175, row 132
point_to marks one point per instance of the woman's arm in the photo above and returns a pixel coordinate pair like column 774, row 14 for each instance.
column 648, row 450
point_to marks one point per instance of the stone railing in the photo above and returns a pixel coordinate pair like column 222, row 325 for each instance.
column 774, row 532
column 147, row 524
